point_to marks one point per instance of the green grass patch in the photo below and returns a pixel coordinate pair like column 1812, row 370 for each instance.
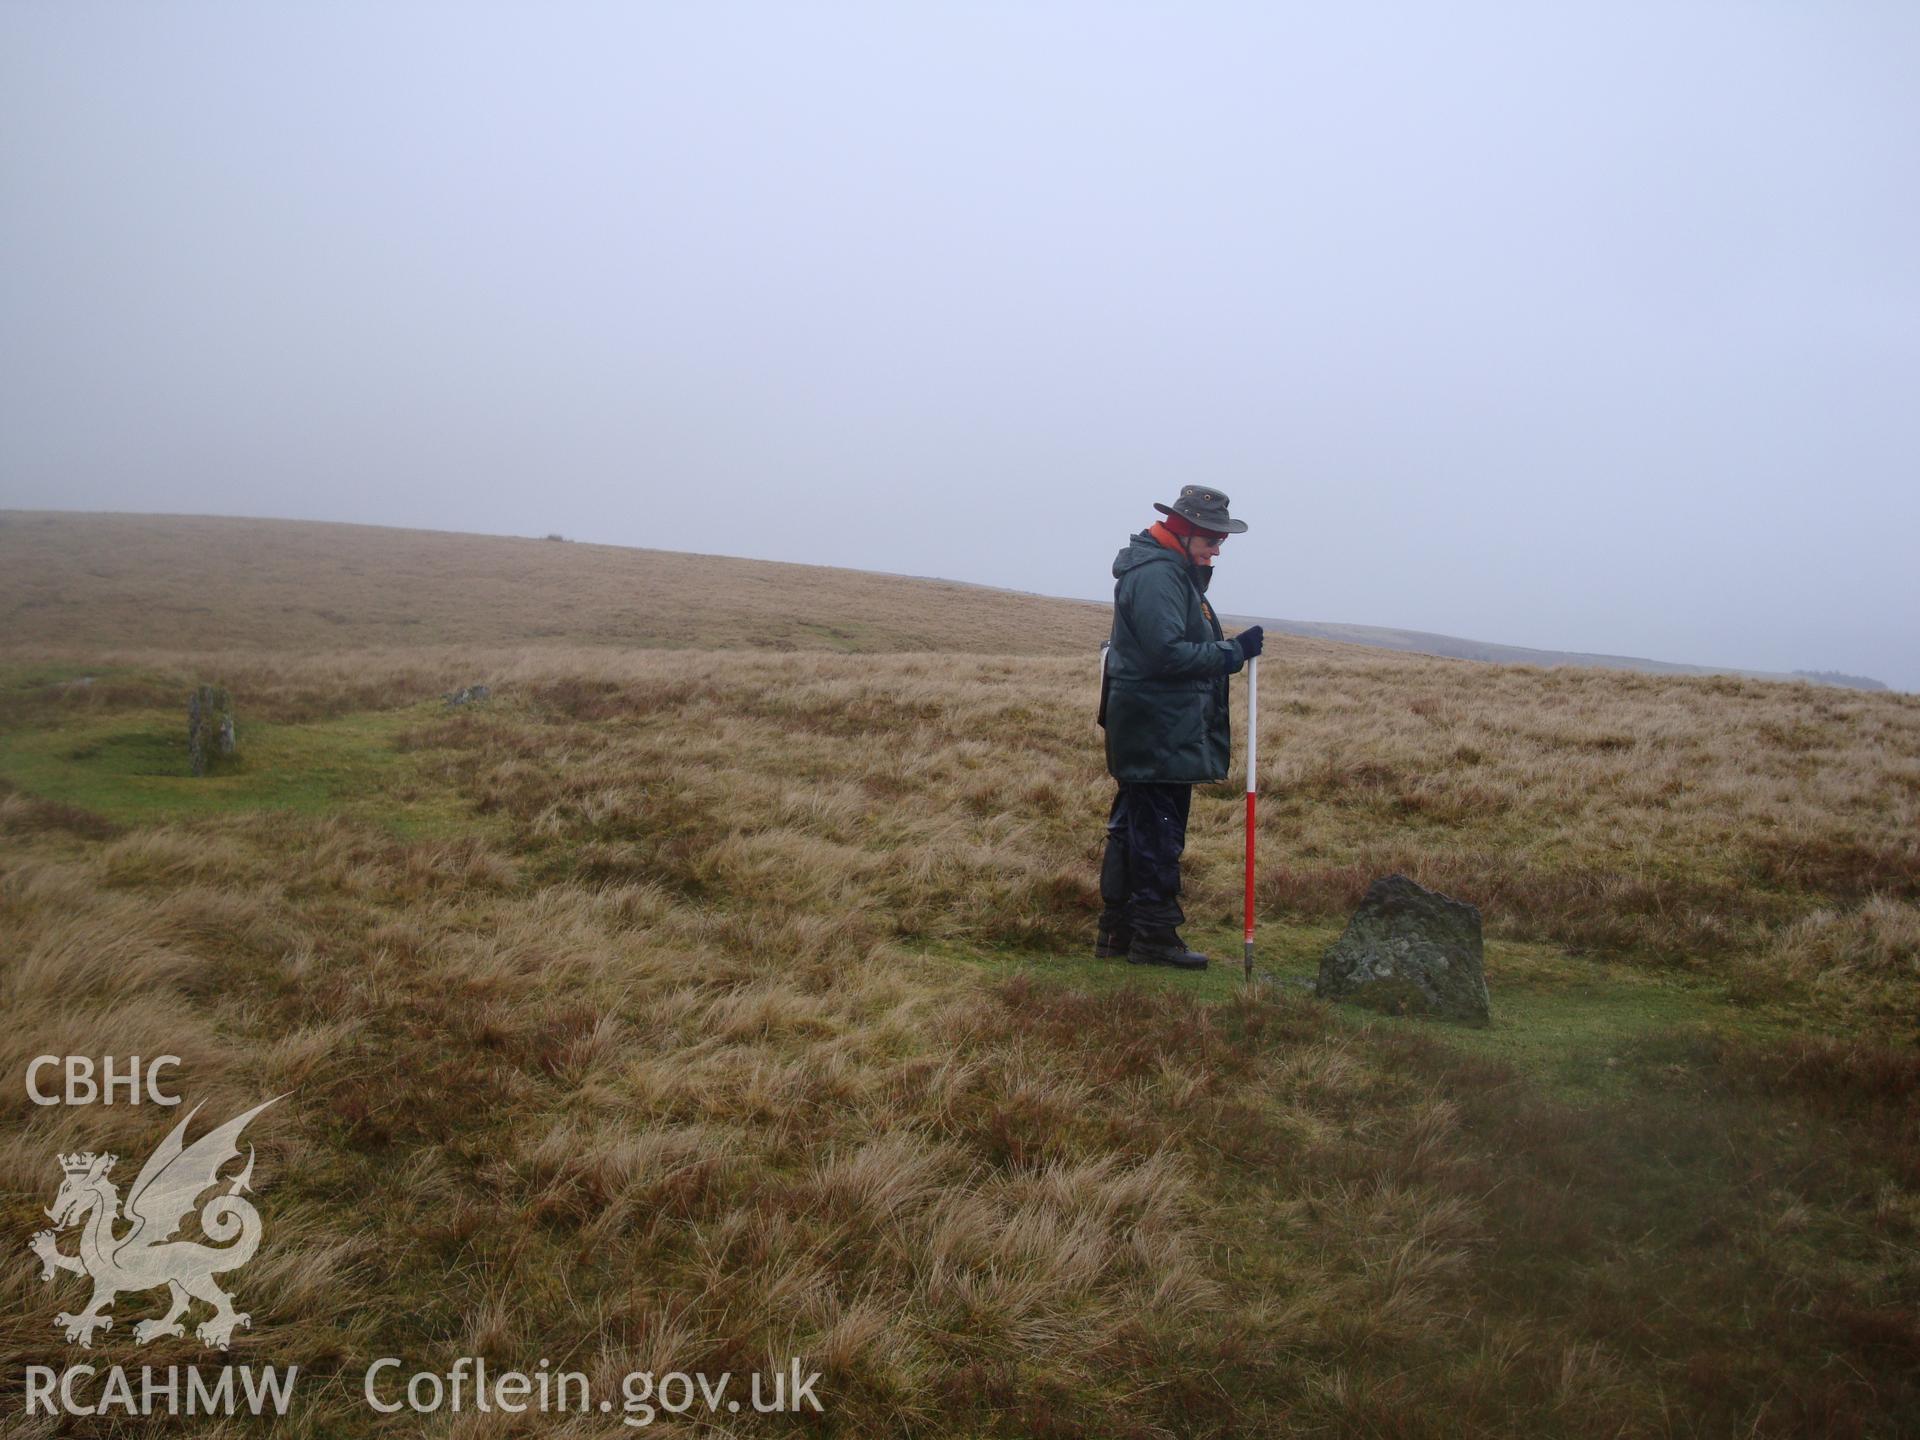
column 1580, row 1028
column 132, row 766
column 21, row 676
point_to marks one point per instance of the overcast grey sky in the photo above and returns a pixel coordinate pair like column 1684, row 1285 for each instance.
column 1584, row 326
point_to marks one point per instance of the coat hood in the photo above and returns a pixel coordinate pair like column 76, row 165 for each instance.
column 1143, row 549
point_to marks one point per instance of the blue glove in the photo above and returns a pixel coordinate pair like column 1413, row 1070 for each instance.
column 1251, row 641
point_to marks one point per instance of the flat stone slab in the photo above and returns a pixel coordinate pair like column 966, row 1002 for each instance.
column 1409, row 951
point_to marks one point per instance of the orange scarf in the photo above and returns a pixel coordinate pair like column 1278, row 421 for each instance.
column 1166, row 537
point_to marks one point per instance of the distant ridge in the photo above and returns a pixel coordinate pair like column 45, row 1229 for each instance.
column 1837, row 677
column 149, row 583
column 1421, row 642
column 74, row 578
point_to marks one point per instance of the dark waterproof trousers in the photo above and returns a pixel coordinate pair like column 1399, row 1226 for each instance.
column 1140, row 875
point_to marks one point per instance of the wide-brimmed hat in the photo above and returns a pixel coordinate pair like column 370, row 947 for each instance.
column 1205, row 508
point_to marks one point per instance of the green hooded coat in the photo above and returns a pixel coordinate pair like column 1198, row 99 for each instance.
column 1166, row 696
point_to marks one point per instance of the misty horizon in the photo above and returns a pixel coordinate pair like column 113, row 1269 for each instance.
column 1592, row 331
column 1401, row 632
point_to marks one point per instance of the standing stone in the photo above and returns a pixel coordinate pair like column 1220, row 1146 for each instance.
column 209, row 726
column 1409, row 951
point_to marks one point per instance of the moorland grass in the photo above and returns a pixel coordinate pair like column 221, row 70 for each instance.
column 745, row 1010
column 132, row 767
column 212, row 584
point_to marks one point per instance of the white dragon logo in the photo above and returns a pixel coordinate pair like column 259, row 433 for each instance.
column 142, row 1258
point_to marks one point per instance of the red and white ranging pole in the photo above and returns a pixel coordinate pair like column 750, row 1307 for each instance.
column 1253, row 773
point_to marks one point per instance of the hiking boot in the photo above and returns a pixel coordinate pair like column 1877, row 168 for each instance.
column 1164, row 947
column 1114, row 938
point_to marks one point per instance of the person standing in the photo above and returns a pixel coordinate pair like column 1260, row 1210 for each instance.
column 1163, row 702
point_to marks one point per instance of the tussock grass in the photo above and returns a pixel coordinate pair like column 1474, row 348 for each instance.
column 1866, row 956
column 954, row 799
column 656, row 1057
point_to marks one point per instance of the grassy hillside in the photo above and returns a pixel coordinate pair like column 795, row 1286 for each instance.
column 664, row 1014
column 1424, row 642
column 173, row 582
